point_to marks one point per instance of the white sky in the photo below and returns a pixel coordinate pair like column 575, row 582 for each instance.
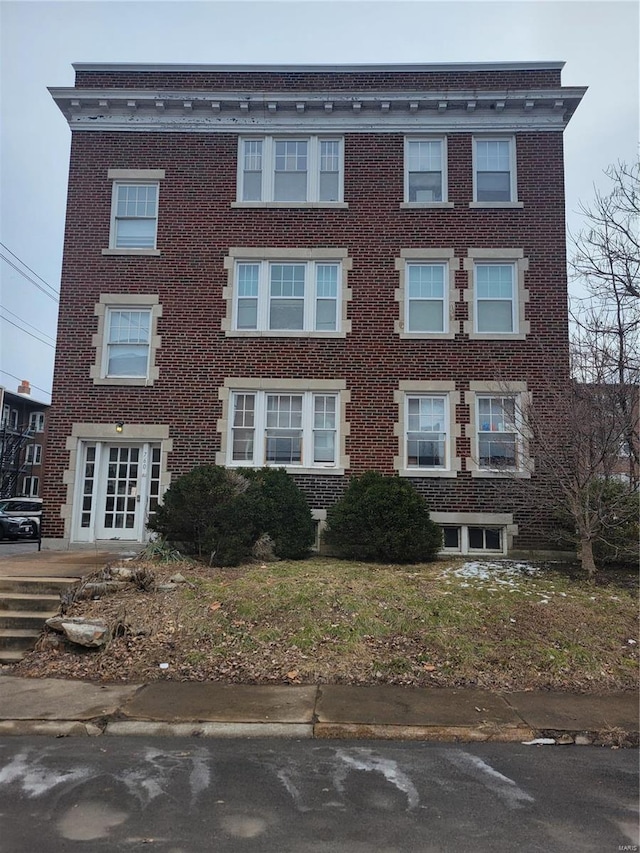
column 39, row 41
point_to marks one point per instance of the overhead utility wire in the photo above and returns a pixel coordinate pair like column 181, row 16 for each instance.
column 35, row 283
column 35, row 328
column 13, row 376
column 7, row 320
column 13, row 254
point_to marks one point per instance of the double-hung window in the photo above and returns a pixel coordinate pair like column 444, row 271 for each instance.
column 127, row 343
column 494, row 170
column 33, row 454
column 426, row 419
column 134, row 216
column 495, row 292
column 285, row 429
column 497, row 433
column 425, row 171
column 426, row 297
column 290, row 169
column 286, row 297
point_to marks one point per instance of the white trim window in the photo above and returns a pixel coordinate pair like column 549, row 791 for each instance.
column 127, row 343
column 495, row 291
column 30, row 486
column 134, row 215
column 287, row 296
column 283, row 429
column 498, row 432
column 426, row 303
column 427, row 439
column 494, row 171
column 33, row 454
column 469, row 539
column 290, row 169
column 36, row 421
column 425, row 171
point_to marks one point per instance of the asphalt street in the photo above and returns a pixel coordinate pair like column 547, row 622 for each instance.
column 283, row 796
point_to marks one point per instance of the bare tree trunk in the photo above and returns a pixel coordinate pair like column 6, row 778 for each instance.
column 586, row 556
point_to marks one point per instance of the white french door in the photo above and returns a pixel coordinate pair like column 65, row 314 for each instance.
column 118, row 487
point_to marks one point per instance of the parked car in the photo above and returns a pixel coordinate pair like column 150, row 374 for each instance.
column 17, row 527
column 30, row 508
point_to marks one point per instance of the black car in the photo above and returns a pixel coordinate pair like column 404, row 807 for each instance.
column 12, row 527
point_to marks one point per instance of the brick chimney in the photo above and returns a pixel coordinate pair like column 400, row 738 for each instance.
column 24, row 388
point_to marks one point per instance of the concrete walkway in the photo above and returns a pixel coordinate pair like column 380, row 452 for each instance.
column 57, row 707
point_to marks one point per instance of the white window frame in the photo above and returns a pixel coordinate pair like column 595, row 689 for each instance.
column 442, row 256
column 268, row 171
column 436, row 389
column 310, row 298
column 446, row 417
column 463, row 521
column 36, row 422
column 31, row 486
column 444, row 182
column 6, row 415
column 110, row 302
column 265, row 257
column 510, row 265
column 512, row 201
column 495, row 257
column 261, row 389
column 133, row 177
column 33, row 454
column 517, row 391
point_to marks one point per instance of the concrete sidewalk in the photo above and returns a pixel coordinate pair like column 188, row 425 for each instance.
column 59, row 708
column 59, row 564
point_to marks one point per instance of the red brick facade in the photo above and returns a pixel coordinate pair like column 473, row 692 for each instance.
column 197, row 226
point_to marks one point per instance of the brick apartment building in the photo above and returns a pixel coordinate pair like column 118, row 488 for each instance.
column 22, row 424
column 329, row 269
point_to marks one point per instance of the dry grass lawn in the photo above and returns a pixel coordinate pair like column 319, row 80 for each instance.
column 498, row 625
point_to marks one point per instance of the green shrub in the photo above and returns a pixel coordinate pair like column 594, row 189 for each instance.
column 220, row 514
column 199, row 513
column 382, row 519
column 281, row 510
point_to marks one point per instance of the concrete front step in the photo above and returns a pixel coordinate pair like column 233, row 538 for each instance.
column 25, row 619
column 35, row 585
column 28, row 601
column 17, row 639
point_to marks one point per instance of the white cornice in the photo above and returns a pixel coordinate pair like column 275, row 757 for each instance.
column 327, row 112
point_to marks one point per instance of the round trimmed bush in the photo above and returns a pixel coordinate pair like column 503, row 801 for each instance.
column 382, row 519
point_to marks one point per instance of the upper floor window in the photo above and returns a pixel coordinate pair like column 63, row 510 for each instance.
column 294, row 169
column 496, row 296
column 134, row 216
column 33, row 454
column 134, row 211
column 127, row 339
column 426, row 297
column 30, row 486
column 494, row 172
column 6, row 413
column 287, row 292
column 495, row 292
column 287, row 296
column 36, row 421
column 425, row 171
column 127, row 350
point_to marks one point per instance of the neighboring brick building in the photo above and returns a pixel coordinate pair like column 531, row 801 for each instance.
column 331, row 269
column 22, row 426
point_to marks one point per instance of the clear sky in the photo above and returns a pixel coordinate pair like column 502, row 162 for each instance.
column 39, row 41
